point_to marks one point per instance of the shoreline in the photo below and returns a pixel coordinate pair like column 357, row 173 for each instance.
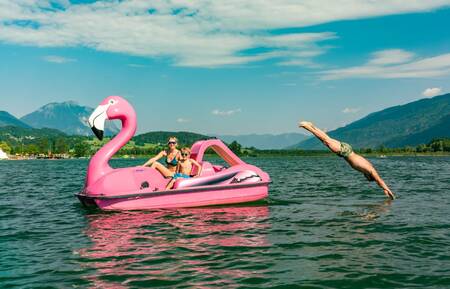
column 264, row 155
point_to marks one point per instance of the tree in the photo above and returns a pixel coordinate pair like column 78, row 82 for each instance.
column 235, row 147
column 5, row 147
column 31, row 149
column 43, row 145
column 61, row 146
column 437, row 146
column 81, row 149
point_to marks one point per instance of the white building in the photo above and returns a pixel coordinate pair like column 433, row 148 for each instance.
column 3, row 155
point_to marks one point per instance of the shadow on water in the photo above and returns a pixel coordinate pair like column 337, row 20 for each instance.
column 196, row 247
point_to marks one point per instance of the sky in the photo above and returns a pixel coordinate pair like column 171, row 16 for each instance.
column 225, row 67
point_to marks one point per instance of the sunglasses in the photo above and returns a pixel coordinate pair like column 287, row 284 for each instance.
column 172, row 142
column 184, row 154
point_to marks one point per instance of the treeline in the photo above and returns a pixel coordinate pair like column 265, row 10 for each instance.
column 437, row 145
column 21, row 141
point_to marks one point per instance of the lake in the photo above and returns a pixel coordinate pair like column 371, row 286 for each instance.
column 323, row 226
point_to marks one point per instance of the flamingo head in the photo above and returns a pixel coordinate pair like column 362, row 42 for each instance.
column 112, row 107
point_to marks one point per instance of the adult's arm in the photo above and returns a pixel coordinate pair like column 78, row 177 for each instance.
column 155, row 158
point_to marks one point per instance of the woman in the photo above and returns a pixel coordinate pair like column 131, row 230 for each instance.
column 172, row 156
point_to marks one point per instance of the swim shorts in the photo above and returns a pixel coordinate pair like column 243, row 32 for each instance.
column 345, row 151
column 179, row 175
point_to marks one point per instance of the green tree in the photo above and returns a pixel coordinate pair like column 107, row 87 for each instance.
column 437, row 146
column 31, row 149
column 5, row 147
column 43, row 146
column 235, row 147
column 81, row 149
column 61, row 146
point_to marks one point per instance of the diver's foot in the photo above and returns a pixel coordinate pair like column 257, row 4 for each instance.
column 305, row 124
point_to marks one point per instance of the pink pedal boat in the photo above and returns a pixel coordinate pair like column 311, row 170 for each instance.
column 141, row 188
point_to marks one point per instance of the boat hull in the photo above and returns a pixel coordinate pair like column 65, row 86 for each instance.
column 180, row 198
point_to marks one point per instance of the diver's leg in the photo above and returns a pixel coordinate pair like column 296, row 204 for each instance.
column 162, row 169
column 332, row 144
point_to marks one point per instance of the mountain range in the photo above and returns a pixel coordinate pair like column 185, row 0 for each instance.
column 265, row 141
column 411, row 124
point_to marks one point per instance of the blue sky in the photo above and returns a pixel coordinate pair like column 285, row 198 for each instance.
column 222, row 66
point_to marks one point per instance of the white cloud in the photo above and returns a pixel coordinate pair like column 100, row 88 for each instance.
column 183, row 120
column 394, row 64
column 225, row 112
column 190, row 33
column 390, row 56
column 134, row 65
column 58, row 59
column 351, row 110
column 430, row 92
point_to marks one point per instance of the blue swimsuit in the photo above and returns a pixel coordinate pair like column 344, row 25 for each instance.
column 172, row 163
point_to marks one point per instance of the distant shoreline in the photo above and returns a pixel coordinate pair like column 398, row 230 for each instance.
column 302, row 154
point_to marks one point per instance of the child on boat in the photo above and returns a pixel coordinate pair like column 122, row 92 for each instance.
column 184, row 167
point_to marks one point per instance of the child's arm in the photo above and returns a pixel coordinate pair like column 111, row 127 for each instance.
column 199, row 167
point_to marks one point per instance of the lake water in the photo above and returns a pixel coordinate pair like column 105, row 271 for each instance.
column 323, row 226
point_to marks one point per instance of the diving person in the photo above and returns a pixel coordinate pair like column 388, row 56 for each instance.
column 344, row 150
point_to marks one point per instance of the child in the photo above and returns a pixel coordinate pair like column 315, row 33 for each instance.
column 184, row 167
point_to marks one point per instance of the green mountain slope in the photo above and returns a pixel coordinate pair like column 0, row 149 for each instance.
column 18, row 135
column 410, row 124
column 8, row 119
column 160, row 137
column 265, row 141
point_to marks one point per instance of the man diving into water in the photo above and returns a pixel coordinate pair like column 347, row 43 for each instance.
column 344, row 150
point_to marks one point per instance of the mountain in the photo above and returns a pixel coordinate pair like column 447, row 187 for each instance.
column 410, row 124
column 265, row 141
column 8, row 119
column 161, row 137
column 68, row 117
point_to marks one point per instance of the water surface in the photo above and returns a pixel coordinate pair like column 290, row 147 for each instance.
column 323, row 226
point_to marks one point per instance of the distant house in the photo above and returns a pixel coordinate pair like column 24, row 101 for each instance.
column 3, row 155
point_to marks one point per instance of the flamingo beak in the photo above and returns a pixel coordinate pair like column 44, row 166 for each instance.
column 97, row 120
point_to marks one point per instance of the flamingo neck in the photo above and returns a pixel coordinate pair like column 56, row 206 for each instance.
column 99, row 164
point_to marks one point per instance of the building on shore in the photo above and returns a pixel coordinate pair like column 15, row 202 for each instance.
column 3, row 155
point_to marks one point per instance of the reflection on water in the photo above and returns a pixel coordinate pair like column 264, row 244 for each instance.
column 208, row 245
column 370, row 212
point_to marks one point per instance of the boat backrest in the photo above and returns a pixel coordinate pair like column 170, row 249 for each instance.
column 198, row 150
column 207, row 169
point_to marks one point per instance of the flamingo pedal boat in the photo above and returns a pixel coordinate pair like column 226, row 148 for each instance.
column 141, row 188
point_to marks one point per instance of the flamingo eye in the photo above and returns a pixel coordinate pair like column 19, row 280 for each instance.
column 112, row 101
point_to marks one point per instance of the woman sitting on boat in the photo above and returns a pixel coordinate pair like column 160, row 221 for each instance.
column 172, row 157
